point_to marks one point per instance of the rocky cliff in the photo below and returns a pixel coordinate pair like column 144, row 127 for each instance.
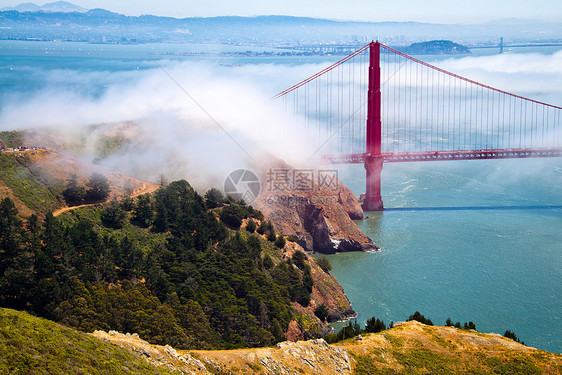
column 326, row 290
column 314, row 207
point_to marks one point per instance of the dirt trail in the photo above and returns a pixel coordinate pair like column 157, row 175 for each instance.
column 143, row 190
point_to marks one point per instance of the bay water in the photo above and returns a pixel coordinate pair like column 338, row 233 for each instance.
column 474, row 241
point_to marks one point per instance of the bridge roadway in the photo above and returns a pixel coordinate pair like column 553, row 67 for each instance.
column 392, row 157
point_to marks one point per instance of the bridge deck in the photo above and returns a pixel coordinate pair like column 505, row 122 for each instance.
column 448, row 155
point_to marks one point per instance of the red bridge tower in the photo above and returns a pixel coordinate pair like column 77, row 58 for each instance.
column 373, row 156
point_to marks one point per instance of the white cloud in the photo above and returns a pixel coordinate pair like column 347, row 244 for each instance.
column 178, row 139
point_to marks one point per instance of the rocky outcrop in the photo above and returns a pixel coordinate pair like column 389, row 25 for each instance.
column 314, row 207
column 160, row 356
column 314, row 357
column 409, row 347
column 309, row 357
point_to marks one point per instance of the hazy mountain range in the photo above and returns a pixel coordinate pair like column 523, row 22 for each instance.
column 65, row 21
column 58, row 6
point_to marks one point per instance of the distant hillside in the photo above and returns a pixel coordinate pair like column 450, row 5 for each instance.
column 35, row 179
column 103, row 26
column 436, row 47
column 57, row 6
column 30, row 345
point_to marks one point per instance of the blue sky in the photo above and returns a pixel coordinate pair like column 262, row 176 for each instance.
column 439, row 11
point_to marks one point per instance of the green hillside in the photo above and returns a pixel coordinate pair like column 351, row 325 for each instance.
column 162, row 265
column 30, row 345
column 35, row 189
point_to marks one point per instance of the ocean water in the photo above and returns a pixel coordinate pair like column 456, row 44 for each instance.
column 474, row 241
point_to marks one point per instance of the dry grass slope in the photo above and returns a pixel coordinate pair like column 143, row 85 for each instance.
column 409, row 348
column 414, row 348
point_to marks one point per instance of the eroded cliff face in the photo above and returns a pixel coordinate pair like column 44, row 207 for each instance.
column 314, row 207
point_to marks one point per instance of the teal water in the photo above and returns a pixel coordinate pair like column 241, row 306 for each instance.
column 475, row 241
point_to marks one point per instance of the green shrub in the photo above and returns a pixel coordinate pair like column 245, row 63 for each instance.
column 511, row 335
column 113, row 215
column 271, row 237
column 74, row 193
column 251, row 226
column 420, row 318
column 350, row 330
column 262, row 228
column 232, row 216
column 267, row 262
column 214, row 198
column 374, row 325
column 469, row 325
column 324, row 263
column 142, row 214
column 97, row 188
column 127, row 204
column 299, row 259
column 280, row 242
column 321, row 312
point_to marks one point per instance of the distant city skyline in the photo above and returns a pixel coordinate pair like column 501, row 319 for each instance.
column 435, row 11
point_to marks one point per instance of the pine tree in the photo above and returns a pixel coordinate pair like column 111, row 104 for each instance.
column 374, row 325
column 98, row 188
column 142, row 212
column 113, row 215
column 214, row 198
column 321, row 312
column 10, row 233
column 74, row 193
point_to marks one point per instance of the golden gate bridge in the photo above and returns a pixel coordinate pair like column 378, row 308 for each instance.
column 402, row 109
